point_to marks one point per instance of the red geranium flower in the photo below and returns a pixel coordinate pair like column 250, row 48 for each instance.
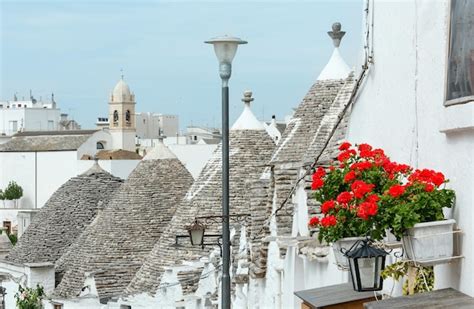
column 361, row 166
column 429, row 187
column 360, row 188
column 320, row 172
column 317, row 183
column 328, row 221
column 344, row 197
column 345, row 146
column 350, row 176
column 314, row 221
column 437, row 179
column 328, row 205
column 396, row 190
column 364, row 147
column 367, row 209
column 373, row 198
column 345, row 155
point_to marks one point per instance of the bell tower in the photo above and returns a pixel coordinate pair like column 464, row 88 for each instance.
column 122, row 117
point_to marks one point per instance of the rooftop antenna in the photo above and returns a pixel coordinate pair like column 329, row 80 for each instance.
column 52, row 97
column 121, row 73
column 161, row 137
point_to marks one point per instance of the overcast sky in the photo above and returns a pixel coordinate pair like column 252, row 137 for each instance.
column 76, row 49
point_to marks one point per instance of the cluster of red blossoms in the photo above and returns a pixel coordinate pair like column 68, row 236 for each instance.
column 361, row 198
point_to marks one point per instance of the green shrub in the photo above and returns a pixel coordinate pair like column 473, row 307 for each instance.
column 13, row 191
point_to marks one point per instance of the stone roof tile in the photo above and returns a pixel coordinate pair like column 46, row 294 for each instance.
column 116, row 244
column 63, row 218
column 249, row 152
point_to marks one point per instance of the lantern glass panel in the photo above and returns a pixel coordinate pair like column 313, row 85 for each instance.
column 353, row 274
column 368, row 272
column 197, row 236
column 225, row 51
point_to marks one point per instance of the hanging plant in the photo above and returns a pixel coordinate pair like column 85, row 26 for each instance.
column 418, row 279
column 364, row 193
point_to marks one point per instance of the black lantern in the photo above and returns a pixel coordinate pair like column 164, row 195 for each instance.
column 196, row 233
column 366, row 264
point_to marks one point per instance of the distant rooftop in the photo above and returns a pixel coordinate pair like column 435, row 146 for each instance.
column 46, row 141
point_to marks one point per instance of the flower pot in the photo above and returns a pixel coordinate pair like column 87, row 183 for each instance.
column 9, row 204
column 430, row 242
column 344, row 244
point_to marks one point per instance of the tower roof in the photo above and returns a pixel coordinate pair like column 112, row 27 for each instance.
column 336, row 68
column 250, row 150
column 121, row 91
column 63, row 218
column 116, row 244
column 247, row 120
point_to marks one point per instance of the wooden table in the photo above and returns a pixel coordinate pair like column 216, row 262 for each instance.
column 340, row 296
column 445, row 298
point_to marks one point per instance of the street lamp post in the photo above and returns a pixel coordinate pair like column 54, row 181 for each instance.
column 225, row 48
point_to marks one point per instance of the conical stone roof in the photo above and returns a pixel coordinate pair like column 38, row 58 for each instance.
column 250, row 150
column 115, row 245
column 64, row 217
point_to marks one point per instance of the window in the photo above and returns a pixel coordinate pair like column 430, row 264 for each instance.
column 460, row 79
column 8, row 226
column 58, row 306
column 116, row 116
column 128, row 117
column 100, row 145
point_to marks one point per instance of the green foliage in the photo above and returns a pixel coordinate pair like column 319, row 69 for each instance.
column 364, row 193
column 13, row 238
column 423, row 279
column 13, row 191
column 2, row 195
column 416, row 206
column 29, row 298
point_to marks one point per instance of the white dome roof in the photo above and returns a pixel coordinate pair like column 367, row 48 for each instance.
column 121, row 91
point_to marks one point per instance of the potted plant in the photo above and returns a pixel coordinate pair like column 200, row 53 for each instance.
column 364, row 194
column 13, row 192
column 29, row 298
column 350, row 192
column 414, row 213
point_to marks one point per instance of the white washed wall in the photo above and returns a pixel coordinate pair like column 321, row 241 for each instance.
column 49, row 172
column 194, row 157
column 400, row 109
column 118, row 168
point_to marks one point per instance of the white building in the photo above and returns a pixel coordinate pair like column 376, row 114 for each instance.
column 202, row 135
column 149, row 125
column 419, row 93
column 33, row 115
column 415, row 100
column 40, row 162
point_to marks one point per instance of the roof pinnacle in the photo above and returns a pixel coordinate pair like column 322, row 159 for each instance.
column 247, row 97
column 336, row 34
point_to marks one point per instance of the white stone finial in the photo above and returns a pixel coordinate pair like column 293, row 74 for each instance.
column 247, row 120
column 336, row 68
column 336, row 34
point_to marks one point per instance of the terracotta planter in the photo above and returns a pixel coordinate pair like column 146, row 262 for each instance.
column 430, row 242
column 344, row 244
